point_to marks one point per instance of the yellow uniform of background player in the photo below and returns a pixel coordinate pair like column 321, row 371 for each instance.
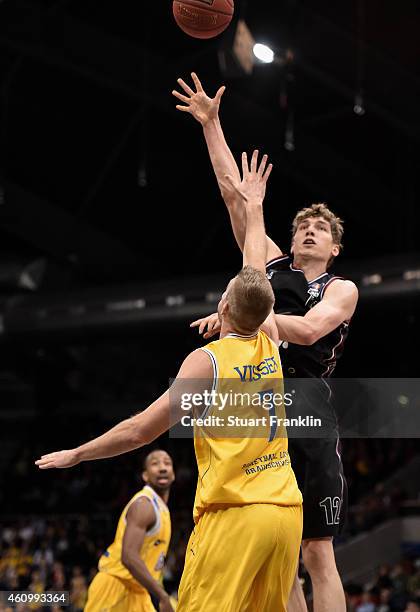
column 122, row 584
column 243, row 553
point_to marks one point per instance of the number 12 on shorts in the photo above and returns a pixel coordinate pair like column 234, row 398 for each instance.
column 332, row 507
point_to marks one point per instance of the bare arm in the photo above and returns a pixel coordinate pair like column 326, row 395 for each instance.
column 252, row 190
column 144, row 427
column 206, row 111
column 338, row 305
column 141, row 517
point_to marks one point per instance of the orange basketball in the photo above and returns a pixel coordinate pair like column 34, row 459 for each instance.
column 203, row 18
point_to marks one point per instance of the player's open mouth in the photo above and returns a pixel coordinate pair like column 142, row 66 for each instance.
column 309, row 241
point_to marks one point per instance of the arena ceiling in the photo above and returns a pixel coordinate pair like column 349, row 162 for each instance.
column 105, row 181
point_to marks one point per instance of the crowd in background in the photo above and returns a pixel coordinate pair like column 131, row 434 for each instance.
column 394, row 589
column 61, row 554
column 68, row 517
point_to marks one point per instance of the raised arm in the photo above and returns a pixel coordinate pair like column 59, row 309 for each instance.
column 146, row 426
column 251, row 190
column 206, row 111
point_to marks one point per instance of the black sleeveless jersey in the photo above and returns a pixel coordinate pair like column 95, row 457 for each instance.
column 296, row 296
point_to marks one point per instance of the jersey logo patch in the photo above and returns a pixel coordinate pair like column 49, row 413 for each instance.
column 314, row 290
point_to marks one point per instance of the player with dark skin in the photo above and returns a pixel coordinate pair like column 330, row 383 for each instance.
column 159, row 474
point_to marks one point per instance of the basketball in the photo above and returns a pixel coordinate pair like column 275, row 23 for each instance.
column 203, row 18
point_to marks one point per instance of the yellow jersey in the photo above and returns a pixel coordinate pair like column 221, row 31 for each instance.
column 155, row 545
column 252, row 464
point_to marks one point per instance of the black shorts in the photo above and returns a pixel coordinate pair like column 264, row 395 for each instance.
column 317, row 465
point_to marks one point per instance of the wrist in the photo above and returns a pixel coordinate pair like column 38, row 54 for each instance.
column 254, row 202
column 211, row 123
column 78, row 454
column 163, row 596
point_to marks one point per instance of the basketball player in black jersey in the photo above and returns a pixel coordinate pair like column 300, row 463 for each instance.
column 312, row 313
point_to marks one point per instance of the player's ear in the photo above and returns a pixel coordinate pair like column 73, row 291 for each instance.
column 145, row 476
column 335, row 250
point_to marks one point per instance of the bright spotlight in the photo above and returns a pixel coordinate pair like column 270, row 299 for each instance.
column 263, row 53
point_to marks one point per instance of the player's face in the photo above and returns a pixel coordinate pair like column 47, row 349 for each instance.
column 159, row 472
column 313, row 239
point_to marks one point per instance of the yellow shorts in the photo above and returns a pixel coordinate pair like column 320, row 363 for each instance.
column 242, row 559
column 109, row 594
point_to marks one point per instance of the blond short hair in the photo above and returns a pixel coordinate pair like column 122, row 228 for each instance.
column 250, row 299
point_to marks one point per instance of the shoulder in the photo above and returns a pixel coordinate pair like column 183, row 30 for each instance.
column 338, row 289
column 341, row 286
column 197, row 364
column 141, row 510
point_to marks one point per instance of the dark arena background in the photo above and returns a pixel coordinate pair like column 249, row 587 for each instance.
column 114, row 238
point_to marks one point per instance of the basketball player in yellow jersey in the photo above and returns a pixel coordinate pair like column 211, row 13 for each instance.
column 132, row 566
column 243, row 553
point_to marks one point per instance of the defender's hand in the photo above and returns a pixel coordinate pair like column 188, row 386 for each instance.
column 253, row 186
column 60, row 459
column 212, row 323
column 199, row 104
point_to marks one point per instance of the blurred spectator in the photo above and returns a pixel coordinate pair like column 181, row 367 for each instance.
column 78, row 589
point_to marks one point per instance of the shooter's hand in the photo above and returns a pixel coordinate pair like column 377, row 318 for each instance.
column 60, row 459
column 212, row 323
column 198, row 103
column 253, row 186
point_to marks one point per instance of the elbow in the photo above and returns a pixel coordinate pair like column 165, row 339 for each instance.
column 138, row 433
column 126, row 560
column 309, row 337
column 229, row 197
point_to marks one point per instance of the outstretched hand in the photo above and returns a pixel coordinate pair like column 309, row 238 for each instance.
column 198, row 103
column 211, row 322
column 253, row 186
column 59, row 459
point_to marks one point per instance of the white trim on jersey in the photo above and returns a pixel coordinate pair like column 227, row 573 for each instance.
column 156, row 509
column 332, row 279
column 315, row 279
column 215, row 378
column 232, row 335
column 341, row 476
column 273, row 261
column 318, row 277
column 331, row 366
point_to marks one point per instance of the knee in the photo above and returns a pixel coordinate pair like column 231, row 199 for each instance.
column 318, row 558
